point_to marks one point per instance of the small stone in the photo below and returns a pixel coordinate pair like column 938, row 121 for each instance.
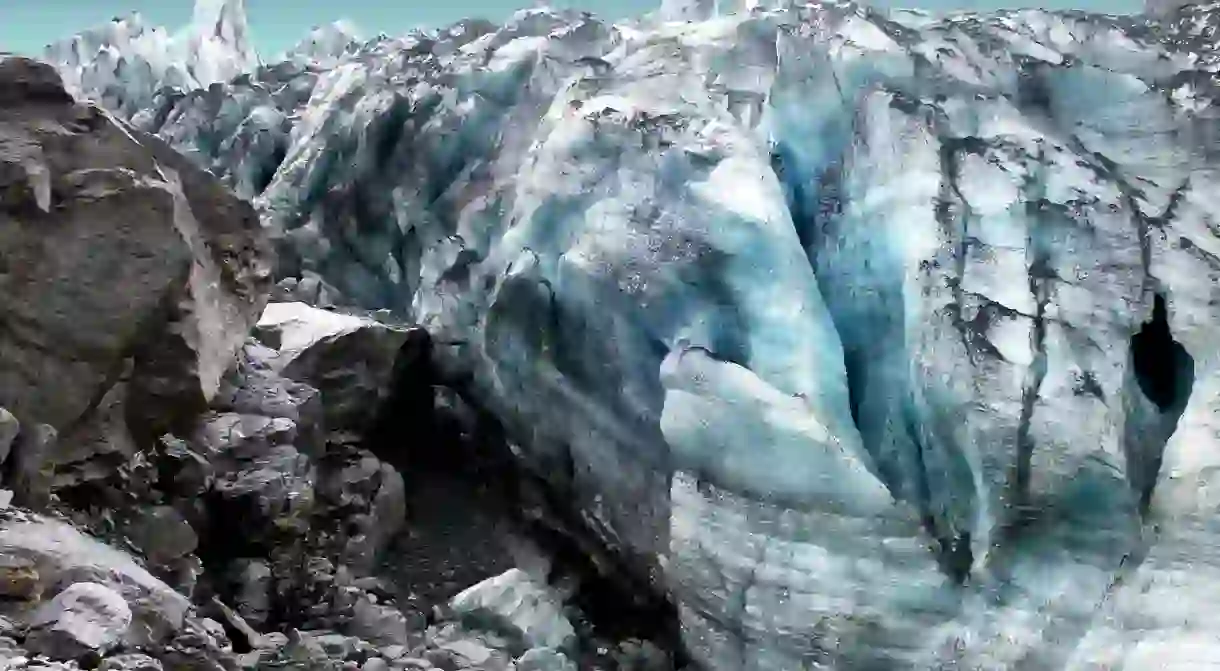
column 375, row 664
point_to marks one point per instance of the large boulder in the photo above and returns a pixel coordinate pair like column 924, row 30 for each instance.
column 517, row 602
column 85, row 618
column 119, row 261
column 348, row 357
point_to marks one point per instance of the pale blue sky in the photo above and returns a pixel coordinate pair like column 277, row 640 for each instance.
column 26, row 25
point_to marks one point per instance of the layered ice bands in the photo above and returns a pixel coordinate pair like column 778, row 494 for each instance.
column 878, row 340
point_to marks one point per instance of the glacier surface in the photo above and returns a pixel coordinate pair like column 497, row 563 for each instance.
column 878, row 340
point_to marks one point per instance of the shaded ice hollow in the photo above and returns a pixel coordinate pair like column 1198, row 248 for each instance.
column 879, row 340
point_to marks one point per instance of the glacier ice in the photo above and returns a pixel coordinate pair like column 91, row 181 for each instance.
column 877, row 339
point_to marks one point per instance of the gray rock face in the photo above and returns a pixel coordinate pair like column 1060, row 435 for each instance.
column 252, row 579
column 379, row 624
column 254, row 387
column 517, row 602
column 114, row 248
column 349, row 358
column 544, row 659
column 1167, row 7
column 84, row 618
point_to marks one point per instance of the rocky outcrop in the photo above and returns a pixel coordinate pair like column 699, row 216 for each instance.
column 348, row 358
column 123, row 268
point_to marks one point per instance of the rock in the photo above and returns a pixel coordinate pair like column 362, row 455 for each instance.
column 90, row 450
column 216, row 631
column 515, row 601
column 252, row 581
column 271, row 491
column 336, row 646
column 636, row 655
column 30, row 465
column 470, row 652
column 389, row 510
column 250, row 639
column 185, row 472
column 836, row 345
column 378, row 624
column 130, row 662
column 84, row 618
column 375, row 664
column 373, row 497
column 544, row 659
column 113, row 245
column 9, row 428
column 63, row 555
column 229, row 437
column 255, row 387
column 446, row 660
column 161, row 534
column 19, row 578
column 273, row 640
column 348, row 358
column 195, row 648
column 310, row 289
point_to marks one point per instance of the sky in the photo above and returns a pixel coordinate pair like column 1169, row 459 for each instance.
column 27, row 25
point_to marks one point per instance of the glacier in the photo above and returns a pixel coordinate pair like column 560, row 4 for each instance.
column 875, row 339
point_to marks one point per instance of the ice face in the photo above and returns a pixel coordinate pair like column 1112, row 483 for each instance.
column 878, row 340
column 124, row 64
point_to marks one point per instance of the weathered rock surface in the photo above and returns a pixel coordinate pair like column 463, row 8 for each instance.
column 86, row 618
column 55, row 555
column 517, row 602
column 124, row 269
column 186, row 466
column 349, row 358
